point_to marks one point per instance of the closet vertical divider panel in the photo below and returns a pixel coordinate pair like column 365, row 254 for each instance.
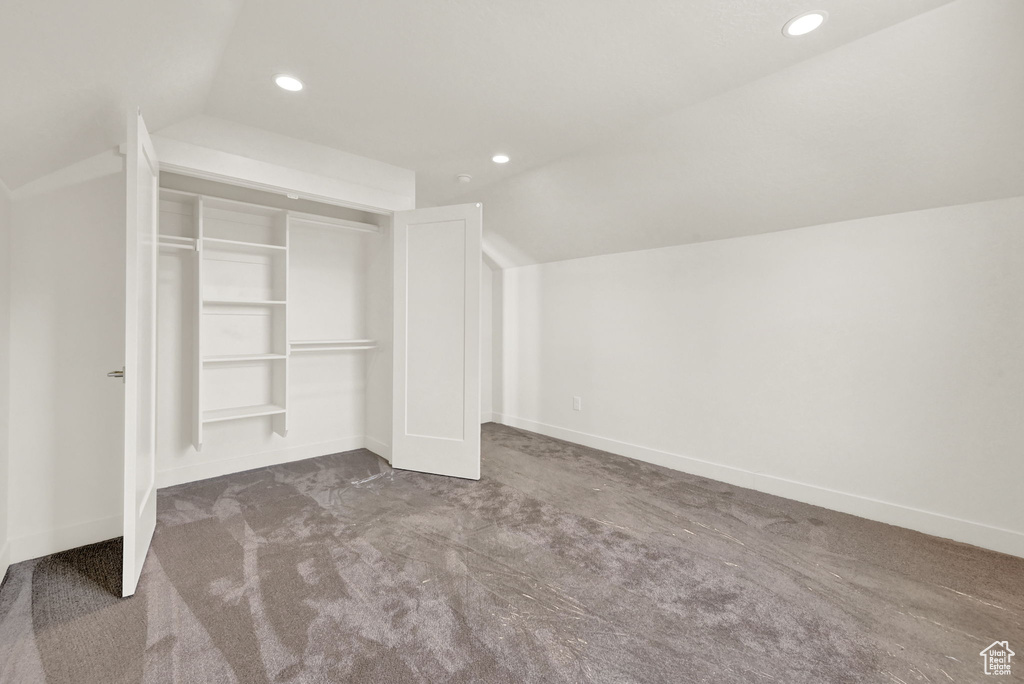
column 281, row 329
column 197, row 347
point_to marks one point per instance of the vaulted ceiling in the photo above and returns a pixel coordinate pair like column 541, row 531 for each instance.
column 71, row 70
column 630, row 125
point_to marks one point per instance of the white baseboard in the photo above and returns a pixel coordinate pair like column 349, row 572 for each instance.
column 238, row 464
column 44, row 543
column 486, row 418
column 380, row 448
column 937, row 524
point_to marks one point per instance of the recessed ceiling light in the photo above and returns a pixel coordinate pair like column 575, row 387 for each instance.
column 500, row 159
column 286, row 82
column 464, row 178
column 804, row 23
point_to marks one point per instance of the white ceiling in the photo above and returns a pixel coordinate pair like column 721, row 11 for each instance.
column 71, row 70
column 926, row 113
column 630, row 125
column 439, row 86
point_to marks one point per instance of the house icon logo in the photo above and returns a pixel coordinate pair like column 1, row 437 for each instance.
column 997, row 658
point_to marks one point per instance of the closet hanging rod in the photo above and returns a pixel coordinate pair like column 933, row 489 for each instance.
column 239, row 244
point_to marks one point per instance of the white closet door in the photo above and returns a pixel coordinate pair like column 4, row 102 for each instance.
column 140, row 351
column 436, row 426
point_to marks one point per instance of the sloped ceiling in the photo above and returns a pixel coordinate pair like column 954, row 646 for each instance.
column 439, row 86
column 926, row 113
column 630, row 125
column 72, row 69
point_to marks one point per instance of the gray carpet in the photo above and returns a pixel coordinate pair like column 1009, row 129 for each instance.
column 563, row 564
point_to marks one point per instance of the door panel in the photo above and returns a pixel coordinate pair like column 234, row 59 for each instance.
column 436, row 427
column 434, row 330
column 142, row 176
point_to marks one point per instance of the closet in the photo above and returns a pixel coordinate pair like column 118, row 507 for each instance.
column 265, row 335
column 272, row 315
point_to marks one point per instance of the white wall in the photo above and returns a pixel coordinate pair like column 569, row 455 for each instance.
column 257, row 158
column 872, row 366
column 5, row 345
column 486, row 343
column 380, row 321
column 67, row 331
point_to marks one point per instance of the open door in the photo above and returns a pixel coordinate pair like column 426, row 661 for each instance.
column 140, row 351
column 436, row 426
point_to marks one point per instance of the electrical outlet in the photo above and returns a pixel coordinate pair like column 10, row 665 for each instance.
column 577, row 404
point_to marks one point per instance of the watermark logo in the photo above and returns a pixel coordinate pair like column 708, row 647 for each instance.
column 997, row 658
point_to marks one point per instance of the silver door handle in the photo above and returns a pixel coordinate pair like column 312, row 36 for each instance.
column 116, row 374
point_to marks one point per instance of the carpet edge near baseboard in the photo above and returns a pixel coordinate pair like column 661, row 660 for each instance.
column 928, row 522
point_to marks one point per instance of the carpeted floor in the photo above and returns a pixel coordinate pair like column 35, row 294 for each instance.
column 562, row 564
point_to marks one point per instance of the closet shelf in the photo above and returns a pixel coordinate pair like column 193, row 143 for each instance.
column 233, row 413
column 175, row 245
column 299, row 346
column 239, row 246
column 243, row 357
column 244, row 302
column 297, row 343
column 296, row 218
column 176, row 242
